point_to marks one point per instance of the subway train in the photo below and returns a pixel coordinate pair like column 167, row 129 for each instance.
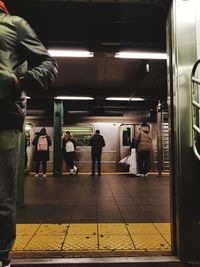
column 118, row 137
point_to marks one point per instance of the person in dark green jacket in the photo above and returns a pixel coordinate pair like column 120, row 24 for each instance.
column 24, row 65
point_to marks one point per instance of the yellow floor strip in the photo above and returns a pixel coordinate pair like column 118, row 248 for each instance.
column 93, row 237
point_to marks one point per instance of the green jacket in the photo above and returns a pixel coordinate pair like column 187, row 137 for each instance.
column 22, row 55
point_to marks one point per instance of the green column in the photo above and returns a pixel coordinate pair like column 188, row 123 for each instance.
column 58, row 120
column 20, row 171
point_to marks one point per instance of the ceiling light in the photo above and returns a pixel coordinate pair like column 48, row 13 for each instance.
column 73, row 98
column 125, row 98
column 70, row 53
column 141, row 55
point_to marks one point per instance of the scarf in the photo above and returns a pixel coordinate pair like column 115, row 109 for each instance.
column 2, row 7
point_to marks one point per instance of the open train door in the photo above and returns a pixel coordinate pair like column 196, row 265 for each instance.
column 183, row 44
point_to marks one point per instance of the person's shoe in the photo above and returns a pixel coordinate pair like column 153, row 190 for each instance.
column 6, row 264
column 146, row 174
column 99, row 174
column 36, row 175
column 92, row 174
column 138, row 174
column 44, row 175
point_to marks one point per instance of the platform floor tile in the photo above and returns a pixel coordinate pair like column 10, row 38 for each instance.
column 82, row 229
column 80, row 243
column 21, row 242
column 115, row 242
column 112, row 229
column 26, row 229
column 142, row 228
column 53, row 229
column 163, row 228
column 45, row 243
column 150, row 242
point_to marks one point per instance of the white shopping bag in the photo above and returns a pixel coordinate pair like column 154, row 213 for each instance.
column 133, row 162
column 125, row 161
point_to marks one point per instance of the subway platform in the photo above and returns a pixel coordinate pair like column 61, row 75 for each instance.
column 114, row 215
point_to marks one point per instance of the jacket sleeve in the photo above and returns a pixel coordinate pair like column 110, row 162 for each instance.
column 90, row 141
column 49, row 140
column 35, row 140
column 63, row 145
column 74, row 142
column 103, row 141
column 137, row 138
column 42, row 68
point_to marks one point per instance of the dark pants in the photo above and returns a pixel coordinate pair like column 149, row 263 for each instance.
column 37, row 166
column 96, row 157
column 143, row 159
column 69, row 159
column 9, row 156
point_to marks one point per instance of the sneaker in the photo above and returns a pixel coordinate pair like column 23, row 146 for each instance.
column 3, row 265
column 138, row 174
column 44, row 175
column 36, row 175
column 92, row 174
column 146, row 174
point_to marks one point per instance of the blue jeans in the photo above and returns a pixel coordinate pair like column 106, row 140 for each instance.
column 9, row 151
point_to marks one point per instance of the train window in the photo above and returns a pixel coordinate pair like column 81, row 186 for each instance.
column 126, row 136
column 28, row 128
column 81, row 134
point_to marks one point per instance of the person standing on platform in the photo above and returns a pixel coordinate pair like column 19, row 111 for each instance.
column 24, row 64
column 41, row 142
column 68, row 150
column 97, row 143
column 143, row 145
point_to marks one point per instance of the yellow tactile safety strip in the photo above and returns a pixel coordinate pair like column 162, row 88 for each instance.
column 93, row 237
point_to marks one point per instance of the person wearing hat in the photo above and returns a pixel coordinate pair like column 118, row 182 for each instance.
column 143, row 144
column 24, row 65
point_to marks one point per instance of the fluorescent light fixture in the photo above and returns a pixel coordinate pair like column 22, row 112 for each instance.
column 74, row 98
column 141, row 55
column 125, row 98
column 70, row 53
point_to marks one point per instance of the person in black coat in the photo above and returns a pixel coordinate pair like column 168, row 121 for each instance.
column 41, row 142
column 68, row 150
column 97, row 143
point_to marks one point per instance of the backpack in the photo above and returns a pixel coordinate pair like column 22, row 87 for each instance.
column 42, row 144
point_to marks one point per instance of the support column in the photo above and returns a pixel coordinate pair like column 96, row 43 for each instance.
column 57, row 154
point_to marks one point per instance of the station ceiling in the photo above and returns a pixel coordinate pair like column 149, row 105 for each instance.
column 102, row 27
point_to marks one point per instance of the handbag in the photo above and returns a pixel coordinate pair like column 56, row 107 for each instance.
column 125, row 161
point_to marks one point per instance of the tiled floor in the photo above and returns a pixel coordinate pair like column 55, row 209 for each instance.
column 105, row 199
column 94, row 214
